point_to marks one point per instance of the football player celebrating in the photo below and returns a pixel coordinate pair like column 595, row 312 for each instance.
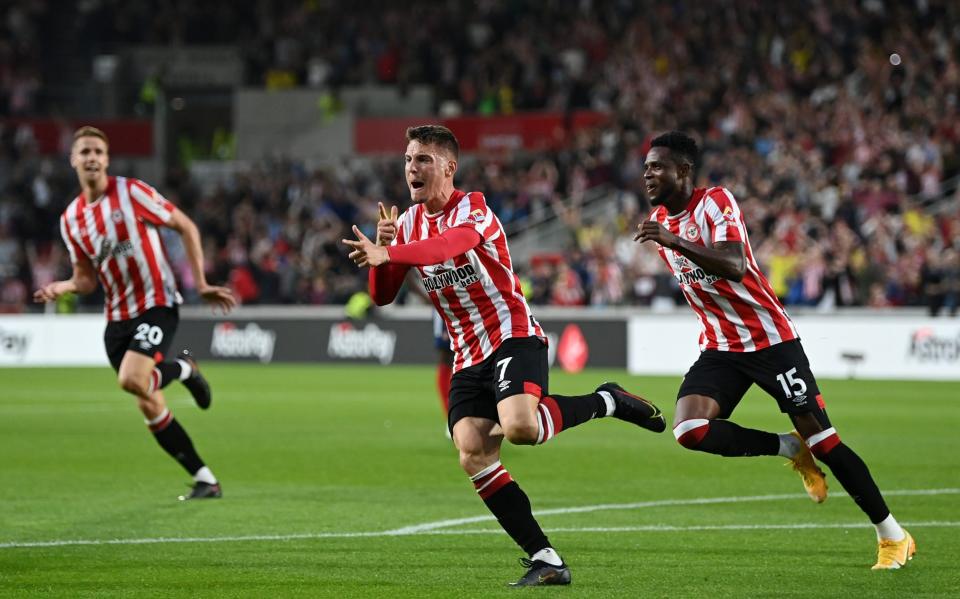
column 746, row 338
column 110, row 230
column 499, row 386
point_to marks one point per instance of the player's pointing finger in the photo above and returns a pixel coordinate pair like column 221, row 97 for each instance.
column 359, row 234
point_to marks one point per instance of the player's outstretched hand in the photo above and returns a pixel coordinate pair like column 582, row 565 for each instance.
column 650, row 230
column 218, row 297
column 365, row 252
column 48, row 292
column 387, row 225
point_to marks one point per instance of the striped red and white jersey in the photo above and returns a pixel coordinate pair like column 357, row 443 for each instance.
column 477, row 293
column 118, row 234
column 739, row 317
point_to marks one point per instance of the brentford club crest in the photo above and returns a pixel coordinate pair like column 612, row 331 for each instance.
column 117, row 216
column 692, row 232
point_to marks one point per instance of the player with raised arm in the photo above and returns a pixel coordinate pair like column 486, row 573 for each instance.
column 499, row 386
column 746, row 338
column 111, row 232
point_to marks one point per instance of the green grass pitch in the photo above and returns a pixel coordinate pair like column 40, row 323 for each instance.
column 339, row 482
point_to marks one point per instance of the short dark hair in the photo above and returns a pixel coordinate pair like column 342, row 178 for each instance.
column 435, row 134
column 680, row 144
column 90, row 131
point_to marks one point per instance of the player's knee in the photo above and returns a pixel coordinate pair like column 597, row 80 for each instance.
column 689, row 433
column 133, row 384
column 521, row 432
column 472, row 459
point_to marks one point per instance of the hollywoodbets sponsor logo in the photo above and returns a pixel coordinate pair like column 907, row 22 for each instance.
column 249, row 342
column 696, row 275
column 116, row 250
column 925, row 346
column 123, row 248
column 460, row 276
column 688, row 273
column 347, row 341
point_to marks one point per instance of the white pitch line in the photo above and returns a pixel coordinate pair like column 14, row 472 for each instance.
column 705, row 527
column 489, row 531
column 428, row 526
column 435, row 528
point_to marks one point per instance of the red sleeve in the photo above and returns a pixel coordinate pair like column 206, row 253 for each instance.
column 435, row 250
column 385, row 281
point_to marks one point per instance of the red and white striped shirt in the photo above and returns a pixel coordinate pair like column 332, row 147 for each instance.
column 739, row 317
column 118, row 233
column 477, row 293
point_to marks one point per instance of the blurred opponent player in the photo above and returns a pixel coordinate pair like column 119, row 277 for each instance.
column 746, row 338
column 111, row 232
column 499, row 385
column 441, row 339
column 445, row 356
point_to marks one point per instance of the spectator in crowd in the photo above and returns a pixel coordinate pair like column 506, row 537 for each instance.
column 845, row 158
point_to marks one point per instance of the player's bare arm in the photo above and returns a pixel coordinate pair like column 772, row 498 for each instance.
column 83, row 281
column 387, row 225
column 725, row 259
column 216, row 296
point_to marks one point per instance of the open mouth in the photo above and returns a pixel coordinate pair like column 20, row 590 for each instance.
column 417, row 184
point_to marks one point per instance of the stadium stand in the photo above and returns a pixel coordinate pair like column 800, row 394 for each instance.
column 846, row 163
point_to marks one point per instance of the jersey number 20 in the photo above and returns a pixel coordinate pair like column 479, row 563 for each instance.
column 151, row 334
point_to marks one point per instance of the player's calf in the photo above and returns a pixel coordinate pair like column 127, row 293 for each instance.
column 511, row 506
column 725, row 438
column 896, row 546
column 855, row 477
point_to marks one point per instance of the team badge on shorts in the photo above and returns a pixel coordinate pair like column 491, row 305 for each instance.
column 692, row 232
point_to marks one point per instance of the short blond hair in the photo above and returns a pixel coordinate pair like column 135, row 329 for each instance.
column 90, row 131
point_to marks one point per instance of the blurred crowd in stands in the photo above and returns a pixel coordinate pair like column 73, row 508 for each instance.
column 836, row 125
